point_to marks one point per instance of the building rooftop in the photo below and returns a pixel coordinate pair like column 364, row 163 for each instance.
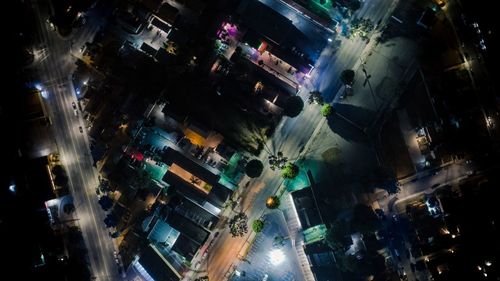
column 306, row 208
column 156, row 266
column 322, row 261
column 265, row 24
column 167, row 13
column 152, row 5
column 194, row 181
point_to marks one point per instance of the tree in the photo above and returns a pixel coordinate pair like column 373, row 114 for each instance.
column 141, row 178
column 272, row 202
column 106, row 202
column 254, row 168
column 277, row 161
column 347, row 76
column 68, row 208
column 278, row 241
column 238, row 225
column 290, row 171
column 364, row 219
column 353, row 5
column 258, row 225
column 293, row 106
column 315, row 97
column 338, row 236
column 111, row 220
column 382, row 178
column 326, row 110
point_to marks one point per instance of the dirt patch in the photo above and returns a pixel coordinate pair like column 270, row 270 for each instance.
column 331, row 154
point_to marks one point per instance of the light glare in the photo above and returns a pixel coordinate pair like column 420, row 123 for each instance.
column 276, row 256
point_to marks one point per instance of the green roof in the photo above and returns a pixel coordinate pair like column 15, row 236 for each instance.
column 225, row 181
column 156, row 171
column 314, row 234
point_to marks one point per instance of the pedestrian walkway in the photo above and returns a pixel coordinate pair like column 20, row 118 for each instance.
column 296, row 237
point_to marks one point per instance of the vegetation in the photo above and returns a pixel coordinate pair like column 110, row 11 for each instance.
column 364, row 219
column 238, row 225
column 278, row 241
column 254, row 168
column 352, row 5
column 381, row 178
column 290, row 171
column 361, row 27
column 277, row 161
column 326, row 110
column 258, row 226
column 315, row 97
column 293, row 106
column 111, row 220
column 338, row 236
column 273, row 202
column 347, row 76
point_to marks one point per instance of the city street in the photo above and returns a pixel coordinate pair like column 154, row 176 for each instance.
column 289, row 137
column 54, row 73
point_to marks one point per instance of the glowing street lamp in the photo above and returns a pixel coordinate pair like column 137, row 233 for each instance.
column 276, row 257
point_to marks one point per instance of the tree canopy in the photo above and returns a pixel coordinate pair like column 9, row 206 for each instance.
column 290, row 171
column 364, row 219
column 254, row 168
column 293, row 106
column 347, row 76
column 326, row 110
column 258, row 225
column 338, row 236
column 315, row 97
column 238, row 225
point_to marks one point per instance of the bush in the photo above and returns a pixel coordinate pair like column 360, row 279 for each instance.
column 326, row 110
column 258, row 225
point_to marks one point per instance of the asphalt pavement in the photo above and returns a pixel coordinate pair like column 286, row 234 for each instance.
column 289, row 137
column 54, row 73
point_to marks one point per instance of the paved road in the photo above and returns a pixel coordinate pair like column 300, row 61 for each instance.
column 289, row 137
column 54, row 73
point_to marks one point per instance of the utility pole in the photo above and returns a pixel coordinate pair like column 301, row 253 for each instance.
column 367, row 81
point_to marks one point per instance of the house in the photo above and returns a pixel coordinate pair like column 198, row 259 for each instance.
column 178, row 229
column 196, row 181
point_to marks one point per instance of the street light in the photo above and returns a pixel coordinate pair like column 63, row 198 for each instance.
column 276, row 256
column 367, row 81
